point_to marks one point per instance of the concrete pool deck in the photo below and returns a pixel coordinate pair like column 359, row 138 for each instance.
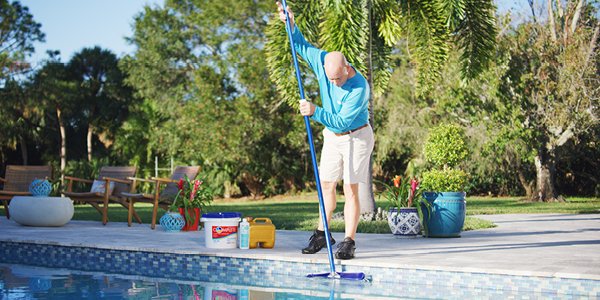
column 546, row 245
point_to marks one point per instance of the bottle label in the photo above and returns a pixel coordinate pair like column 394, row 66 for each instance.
column 244, row 241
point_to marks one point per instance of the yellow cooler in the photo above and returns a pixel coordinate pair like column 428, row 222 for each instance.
column 262, row 233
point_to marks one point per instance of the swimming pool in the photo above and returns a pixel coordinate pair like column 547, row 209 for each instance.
column 32, row 282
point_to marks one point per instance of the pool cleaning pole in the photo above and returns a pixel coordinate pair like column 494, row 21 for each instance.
column 333, row 273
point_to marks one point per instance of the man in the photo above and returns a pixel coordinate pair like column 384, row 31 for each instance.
column 347, row 138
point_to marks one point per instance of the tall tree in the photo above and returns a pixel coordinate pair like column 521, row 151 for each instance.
column 551, row 85
column 18, row 32
column 53, row 89
column 367, row 30
column 103, row 97
column 18, row 118
column 199, row 66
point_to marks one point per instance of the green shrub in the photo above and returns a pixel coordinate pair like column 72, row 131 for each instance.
column 447, row 180
column 446, row 146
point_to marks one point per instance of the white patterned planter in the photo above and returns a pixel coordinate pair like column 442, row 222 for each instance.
column 404, row 223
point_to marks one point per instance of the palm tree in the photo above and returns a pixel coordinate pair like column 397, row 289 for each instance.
column 103, row 97
column 367, row 31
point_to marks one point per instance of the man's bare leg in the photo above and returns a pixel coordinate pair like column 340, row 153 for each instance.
column 318, row 241
column 330, row 201
column 351, row 209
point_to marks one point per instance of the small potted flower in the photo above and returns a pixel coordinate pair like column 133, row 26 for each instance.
column 192, row 197
column 404, row 211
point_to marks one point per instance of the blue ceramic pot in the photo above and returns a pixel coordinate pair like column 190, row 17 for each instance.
column 40, row 188
column 446, row 216
column 404, row 222
column 172, row 222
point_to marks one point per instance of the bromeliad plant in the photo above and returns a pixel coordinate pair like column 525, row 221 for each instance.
column 404, row 197
column 403, row 193
column 191, row 194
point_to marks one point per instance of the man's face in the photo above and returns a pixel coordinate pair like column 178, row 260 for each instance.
column 337, row 74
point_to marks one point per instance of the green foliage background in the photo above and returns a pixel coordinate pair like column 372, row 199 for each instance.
column 202, row 89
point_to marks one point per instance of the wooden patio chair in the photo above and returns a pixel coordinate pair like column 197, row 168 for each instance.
column 17, row 180
column 162, row 197
column 111, row 183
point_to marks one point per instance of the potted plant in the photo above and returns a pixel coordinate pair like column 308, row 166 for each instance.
column 192, row 197
column 444, row 185
column 404, row 212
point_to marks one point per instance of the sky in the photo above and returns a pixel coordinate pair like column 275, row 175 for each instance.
column 71, row 25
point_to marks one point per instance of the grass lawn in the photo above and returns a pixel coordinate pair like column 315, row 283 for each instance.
column 300, row 212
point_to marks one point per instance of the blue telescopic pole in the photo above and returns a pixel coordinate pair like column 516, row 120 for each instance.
column 289, row 29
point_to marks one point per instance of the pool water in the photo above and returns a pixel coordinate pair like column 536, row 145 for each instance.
column 31, row 282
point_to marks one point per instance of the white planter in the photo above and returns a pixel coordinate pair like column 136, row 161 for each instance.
column 404, row 223
column 41, row 211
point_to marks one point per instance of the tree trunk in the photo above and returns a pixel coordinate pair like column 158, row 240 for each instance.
column 365, row 190
column 89, row 142
column 528, row 186
column 576, row 15
column 551, row 20
column 63, row 143
column 24, row 153
column 545, row 172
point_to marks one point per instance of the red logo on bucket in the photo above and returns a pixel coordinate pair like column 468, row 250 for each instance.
column 223, row 231
column 223, row 295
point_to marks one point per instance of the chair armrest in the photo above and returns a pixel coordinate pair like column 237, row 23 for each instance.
column 164, row 180
column 2, row 179
column 126, row 181
column 140, row 179
column 79, row 179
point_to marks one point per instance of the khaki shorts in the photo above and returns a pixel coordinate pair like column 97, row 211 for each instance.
column 346, row 156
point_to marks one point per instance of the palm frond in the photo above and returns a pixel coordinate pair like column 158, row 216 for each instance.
column 309, row 16
column 428, row 39
column 454, row 12
column 277, row 50
column 382, row 67
column 345, row 28
column 388, row 17
column 387, row 23
column 476, row 36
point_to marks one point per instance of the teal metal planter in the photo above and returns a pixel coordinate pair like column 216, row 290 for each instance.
column 446, row 216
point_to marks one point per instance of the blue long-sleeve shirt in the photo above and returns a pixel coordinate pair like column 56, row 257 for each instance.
column 344, row 108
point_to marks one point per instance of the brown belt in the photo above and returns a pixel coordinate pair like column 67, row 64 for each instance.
column 351, row 131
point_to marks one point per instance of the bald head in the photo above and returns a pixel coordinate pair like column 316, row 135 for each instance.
column 337, row 68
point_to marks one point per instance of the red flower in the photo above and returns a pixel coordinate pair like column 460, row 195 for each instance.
column 195, row 189
column 180, row 184
column 414, row 184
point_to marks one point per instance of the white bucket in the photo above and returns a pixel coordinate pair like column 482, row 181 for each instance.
column 221, row 229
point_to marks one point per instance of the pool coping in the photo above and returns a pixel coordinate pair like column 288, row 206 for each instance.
column 478, row 248
column 319, row 261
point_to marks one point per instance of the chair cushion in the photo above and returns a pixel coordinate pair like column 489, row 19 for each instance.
column 99, row 186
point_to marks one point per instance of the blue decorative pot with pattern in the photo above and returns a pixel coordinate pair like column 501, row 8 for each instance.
column 172, row 222
column 40, row 188
column 404, row 222
column 447, row 213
